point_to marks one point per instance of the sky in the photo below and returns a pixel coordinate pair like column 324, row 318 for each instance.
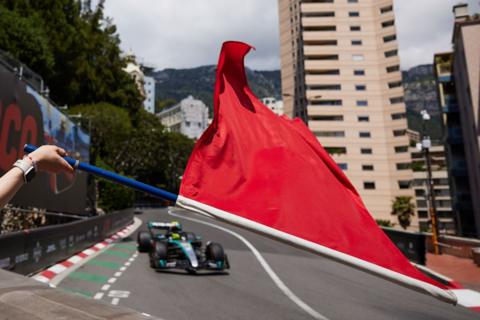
column 189, row 33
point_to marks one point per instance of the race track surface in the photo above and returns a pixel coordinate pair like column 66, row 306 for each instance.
column 122, row 276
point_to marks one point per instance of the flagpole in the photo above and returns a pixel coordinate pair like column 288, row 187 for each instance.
column 108, row 175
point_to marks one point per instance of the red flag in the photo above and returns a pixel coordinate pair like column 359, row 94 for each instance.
column 270, row 174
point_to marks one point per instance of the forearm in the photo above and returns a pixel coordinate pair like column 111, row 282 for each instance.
column 10, row 183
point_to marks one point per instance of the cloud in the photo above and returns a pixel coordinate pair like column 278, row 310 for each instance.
column 189, row 33
column 424, row 27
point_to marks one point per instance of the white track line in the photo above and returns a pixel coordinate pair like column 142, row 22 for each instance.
column 278, row 282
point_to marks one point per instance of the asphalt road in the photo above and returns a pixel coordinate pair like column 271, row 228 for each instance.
column 332, row 290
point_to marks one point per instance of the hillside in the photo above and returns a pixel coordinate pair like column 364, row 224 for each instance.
column 419, row 84
column 177, row 84
column 420, row 94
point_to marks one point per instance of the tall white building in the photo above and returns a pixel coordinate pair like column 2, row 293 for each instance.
column 149, row 87
column 341, row 75
column 189, row 117
column 145, row 84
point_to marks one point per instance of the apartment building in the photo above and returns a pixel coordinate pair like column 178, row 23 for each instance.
column 341, row 75
column 189, row 117
column 458, row 86
column 441, row 189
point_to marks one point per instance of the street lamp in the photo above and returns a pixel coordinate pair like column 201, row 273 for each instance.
column 425, row 146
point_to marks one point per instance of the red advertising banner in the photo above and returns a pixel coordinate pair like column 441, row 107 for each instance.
column 27, row 117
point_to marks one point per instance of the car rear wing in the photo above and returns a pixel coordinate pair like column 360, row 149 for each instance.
column 162, row 225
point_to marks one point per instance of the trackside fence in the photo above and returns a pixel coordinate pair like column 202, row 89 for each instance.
column 28, row 251
column 412, row 244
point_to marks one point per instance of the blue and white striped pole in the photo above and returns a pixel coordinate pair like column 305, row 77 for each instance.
column 134, row 184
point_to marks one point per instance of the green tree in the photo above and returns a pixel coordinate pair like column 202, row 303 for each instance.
column 384, row 223
column 404, row 209
column 73, row 47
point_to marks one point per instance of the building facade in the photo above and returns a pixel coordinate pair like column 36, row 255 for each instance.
column 341, row 74
column 189, row 117
column 458, row 83
column 149, row 88
column 273, row 104
column 441, row 189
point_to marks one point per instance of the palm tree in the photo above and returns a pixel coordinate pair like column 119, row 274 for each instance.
column 404, row 209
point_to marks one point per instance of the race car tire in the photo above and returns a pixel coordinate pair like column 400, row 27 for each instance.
column 159, row 253
column 214, row 251
column 144, row 241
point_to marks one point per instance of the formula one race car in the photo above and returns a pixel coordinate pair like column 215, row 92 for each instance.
column 169, row 247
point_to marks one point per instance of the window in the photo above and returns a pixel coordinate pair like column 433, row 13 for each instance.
column 187, row 123
column 395, row 84
column 324, row 72
column 323, row 57
column 399, row 133
column 359, row 72
column 324, row 87
column 320, row 42
column 363, row 119
column 367, row 167
column 356, row 42
column 398, row 116
column 422, row 214
column 388, row 23
column 404, row 166
column 330, row 134
column 320, row 14
column 354, row 14
column 352, row 1
column 401, row 149
column 320, row 28
column 396, row 100
column 357, row 57
column 326, row 102
column 393, row 68
column 386, row 9
column 362, row 103
column 404, row 184
column 326, row 118
column 355, row 28
column 368, row 185
column 366, row 151
column 389, row 38
column 336, row 150
column 364, row 134
column 391, row 53
column 360, row 87
column 343, row 166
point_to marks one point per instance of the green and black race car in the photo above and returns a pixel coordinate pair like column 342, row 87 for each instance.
column 169, row 247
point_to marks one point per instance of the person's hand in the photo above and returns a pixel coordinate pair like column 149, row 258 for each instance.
column 49, row 158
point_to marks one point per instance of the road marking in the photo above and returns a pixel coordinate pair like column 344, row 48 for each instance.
column 105, row 287
column 98, row 295
column 123, row 268
column 278, row 282
column 115, row 301
column 112, row 280
column 128, row 263
column 117, row 274
column 119, row 294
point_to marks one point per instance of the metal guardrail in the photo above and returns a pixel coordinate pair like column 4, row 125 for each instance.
column 29, row 251
column 411, row 244
column 22, row 71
